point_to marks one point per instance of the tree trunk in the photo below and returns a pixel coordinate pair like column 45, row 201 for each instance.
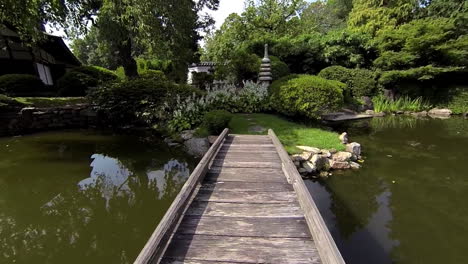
column 128, row 62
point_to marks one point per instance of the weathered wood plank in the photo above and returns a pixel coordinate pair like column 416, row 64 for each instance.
column 243, row 249
column 246, row 197
column 158, row 241
column 290, row 209
column 188, row 261
column 250, row 155
column 246, row 164
column 245, row 226
column 245, row 174
column 247, row 186
column 327, row 248
column 249, row 158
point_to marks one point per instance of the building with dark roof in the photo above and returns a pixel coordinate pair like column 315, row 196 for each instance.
column 49, row 59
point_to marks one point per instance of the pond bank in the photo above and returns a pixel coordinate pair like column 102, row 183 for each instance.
column 34, row 119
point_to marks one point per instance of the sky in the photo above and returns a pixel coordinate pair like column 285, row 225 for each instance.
column 226, row 7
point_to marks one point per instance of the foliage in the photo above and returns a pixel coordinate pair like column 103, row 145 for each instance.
column 359, row 82
column 202, row 80
column 291, row 134
column 75, row 84
column 8, row 103
column 243, row 66
column 20, row 84
column 189, row 112
column 306, row 95
column 405, row 103
column 154, row 75
column 279, row 69
column 217, row 120
column 458, row 100
column 99, row 73
column 127, row 102
column 437, row 41
column 425, row 73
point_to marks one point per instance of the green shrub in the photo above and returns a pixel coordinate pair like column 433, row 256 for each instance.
column 216, row 121
column 20, row 84
column 130, row 101
column 279, row 69
column 75, row 84
column 7, row 103
column 359, row 82
column 202, row 80
column 77, row 81
column 458, row 100
column 154, row 75
column 140, row 100
column 306, row 95
column 96, row 72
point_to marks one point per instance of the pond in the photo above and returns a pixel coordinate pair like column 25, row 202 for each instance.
column 84, row 197
column 408, row 204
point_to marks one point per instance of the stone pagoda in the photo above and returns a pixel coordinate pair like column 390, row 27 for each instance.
column 265, row 76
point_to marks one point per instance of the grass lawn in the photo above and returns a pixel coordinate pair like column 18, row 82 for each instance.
column 290, row 134
column 50, row 101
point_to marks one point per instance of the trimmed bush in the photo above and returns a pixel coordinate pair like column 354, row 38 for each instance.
column 20, row 84
column 76, row 84
column 154, row 75
column 80, row 79
column 306, row 95
column 216, row 121
column 359, row 82
column 96, row 72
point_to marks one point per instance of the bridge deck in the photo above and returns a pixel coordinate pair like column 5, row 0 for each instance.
column 244, row 210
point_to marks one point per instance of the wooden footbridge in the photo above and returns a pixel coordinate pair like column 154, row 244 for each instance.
column 245, row 202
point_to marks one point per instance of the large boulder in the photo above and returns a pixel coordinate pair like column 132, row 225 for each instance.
column 354, row 148
column 342, row 156
column 320, row 162
column 187, row 134
column 436, row 112
column 309, row 167
column 304, row 156
column 340, row 165
column 309, row 149
column 197, row 146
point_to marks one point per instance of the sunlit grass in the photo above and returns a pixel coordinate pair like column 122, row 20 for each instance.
column 50, row 101
column 291, row 134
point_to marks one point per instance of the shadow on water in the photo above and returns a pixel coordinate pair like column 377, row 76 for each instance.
column 95, row 200
column 407, row 203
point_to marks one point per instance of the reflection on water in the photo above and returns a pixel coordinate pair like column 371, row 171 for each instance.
column 408, row 203
column 54, row 208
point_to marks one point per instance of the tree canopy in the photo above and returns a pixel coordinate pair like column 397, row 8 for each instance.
column 123, row 28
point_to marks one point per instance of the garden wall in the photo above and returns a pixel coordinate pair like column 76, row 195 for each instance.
column 31, row 119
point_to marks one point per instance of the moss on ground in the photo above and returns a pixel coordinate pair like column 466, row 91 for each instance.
column 291, row 134
column 50, row 101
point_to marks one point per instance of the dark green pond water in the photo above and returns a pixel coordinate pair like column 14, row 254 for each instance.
column 409, row 203
column 84, row 197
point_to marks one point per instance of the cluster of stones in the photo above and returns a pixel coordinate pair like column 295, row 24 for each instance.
column 31, row 119
column 317, row 162
column 434, row 113
column 196, row 146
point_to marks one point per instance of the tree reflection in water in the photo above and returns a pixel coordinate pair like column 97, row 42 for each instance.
column 105, row 219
